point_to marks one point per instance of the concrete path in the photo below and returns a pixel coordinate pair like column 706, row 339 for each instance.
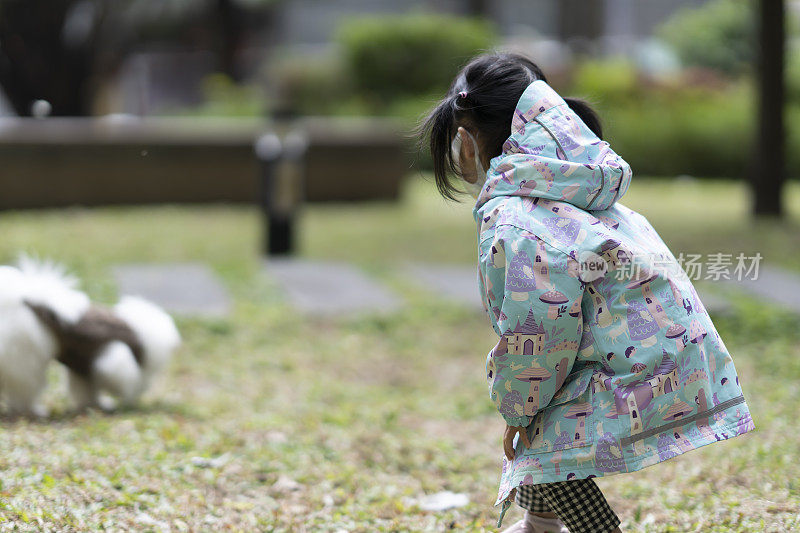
column 457, row 283
column 773, row 284
column 181, row 288
column 329, row 288
column 714, row 303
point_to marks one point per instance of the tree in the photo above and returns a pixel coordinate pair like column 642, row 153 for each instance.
column 768, row 171
column 731, row 36
column 479, row 8
column 719, row 35
column 48, row 50
column 580, row 23
column 62, row 50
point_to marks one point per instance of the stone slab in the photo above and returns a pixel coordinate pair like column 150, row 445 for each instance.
column 329, row 287
column 457, row 283
column 714, row 303
column 773, row 284
column 180, row 288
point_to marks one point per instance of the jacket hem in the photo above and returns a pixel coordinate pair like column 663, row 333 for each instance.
column 640, row 462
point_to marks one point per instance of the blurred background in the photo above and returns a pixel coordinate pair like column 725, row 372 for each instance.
column 249, row 165
column 685, row 66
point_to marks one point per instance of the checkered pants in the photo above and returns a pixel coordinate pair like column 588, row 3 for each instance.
column 578, row 503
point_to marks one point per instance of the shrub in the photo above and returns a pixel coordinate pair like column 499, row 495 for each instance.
column 393, row 57
column 309, row 84
column 612, row 80
column 700, row 133
column 719, row 35
column 692, row 124
column 224, row 97
column 793, row 75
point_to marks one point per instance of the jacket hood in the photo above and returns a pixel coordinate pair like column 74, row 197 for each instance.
column 553, row 154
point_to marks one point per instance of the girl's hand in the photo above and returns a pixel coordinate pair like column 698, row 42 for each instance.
column 508, row 439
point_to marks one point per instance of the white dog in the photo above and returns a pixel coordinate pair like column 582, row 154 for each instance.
column 43, row 317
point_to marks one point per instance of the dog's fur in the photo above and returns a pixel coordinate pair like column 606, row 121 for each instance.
column 43, row 317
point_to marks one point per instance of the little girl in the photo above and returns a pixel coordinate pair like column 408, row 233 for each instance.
column 607, row 361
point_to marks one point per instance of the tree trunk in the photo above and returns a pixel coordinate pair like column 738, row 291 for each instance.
column 38, row 60
column 479, row 8
column 580, row 23
column 768, row 169
column 229, row 20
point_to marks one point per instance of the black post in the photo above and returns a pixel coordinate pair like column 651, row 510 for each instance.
column 277, row 230
column 282, row 187
column 768, row 169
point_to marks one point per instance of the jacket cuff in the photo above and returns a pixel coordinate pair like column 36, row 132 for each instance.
column 518, row 421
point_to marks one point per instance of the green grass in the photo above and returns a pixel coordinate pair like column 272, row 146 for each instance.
column 338, row 423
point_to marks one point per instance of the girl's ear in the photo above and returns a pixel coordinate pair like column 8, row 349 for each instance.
column 467, row 157
column 467, row 148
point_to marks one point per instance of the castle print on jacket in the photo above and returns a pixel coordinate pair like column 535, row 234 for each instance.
column 605, row 354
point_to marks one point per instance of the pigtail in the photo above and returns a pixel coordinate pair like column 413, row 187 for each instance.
column 482, row 98
column 588, row 115
column 437, row 130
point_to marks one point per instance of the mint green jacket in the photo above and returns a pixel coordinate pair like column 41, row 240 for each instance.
column 606, row 354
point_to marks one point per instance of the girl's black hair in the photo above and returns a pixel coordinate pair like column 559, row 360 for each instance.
column 483, row 98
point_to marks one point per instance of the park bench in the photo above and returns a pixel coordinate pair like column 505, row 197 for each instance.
column 124, row 160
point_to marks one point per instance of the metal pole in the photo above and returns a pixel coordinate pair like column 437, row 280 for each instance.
column 282, row 187
column 768, row 170
column 276, row 229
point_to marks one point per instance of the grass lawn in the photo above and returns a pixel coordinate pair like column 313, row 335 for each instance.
column 339, row 423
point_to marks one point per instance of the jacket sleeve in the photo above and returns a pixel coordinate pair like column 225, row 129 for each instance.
column 532, row 295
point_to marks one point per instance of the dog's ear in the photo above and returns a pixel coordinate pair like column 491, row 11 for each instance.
column 46, row 315
column 78, row 360
column 99, row 326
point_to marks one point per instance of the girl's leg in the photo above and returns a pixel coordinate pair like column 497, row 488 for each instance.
column 580, row 505
column 529, row 499
column 539, row 518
